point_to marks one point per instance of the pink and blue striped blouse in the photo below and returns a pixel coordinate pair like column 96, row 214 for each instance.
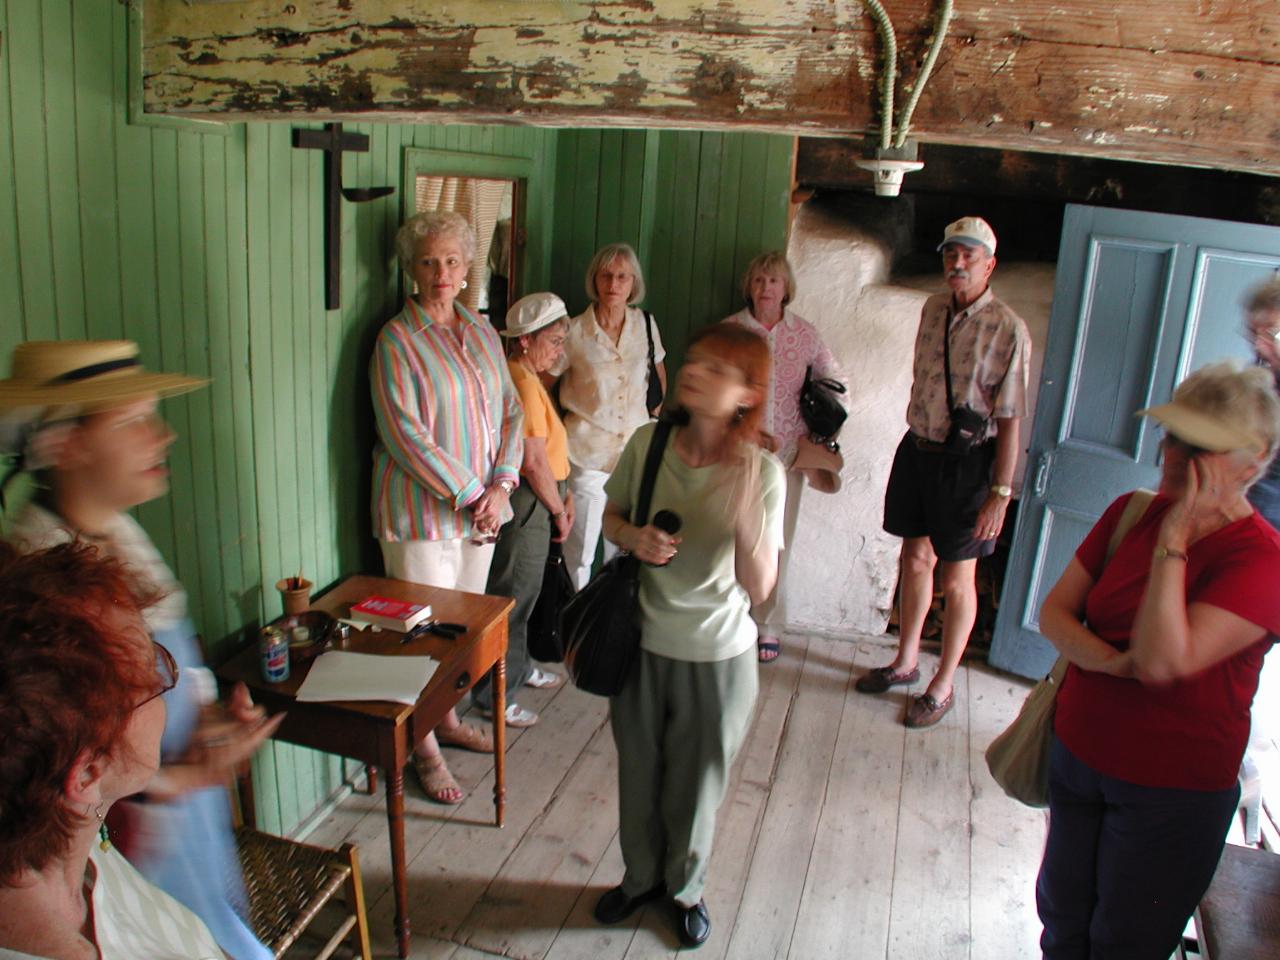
column 449, row 424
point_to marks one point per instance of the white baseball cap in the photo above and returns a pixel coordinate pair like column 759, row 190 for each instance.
column 532, row 312
column 972, row 232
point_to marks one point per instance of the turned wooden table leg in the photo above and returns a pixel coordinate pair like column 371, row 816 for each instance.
column 395, row 824
column 500, row 740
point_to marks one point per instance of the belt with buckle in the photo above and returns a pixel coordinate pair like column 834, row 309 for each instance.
column 928, row 446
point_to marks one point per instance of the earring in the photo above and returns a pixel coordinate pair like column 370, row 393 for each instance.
column 740, row 414
column 463, row 285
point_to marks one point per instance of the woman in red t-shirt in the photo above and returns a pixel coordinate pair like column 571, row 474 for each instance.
column 1166, row 641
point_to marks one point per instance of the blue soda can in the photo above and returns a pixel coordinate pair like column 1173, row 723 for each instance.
column 274, row 647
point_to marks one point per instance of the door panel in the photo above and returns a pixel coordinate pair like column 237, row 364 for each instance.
column 1140, row 300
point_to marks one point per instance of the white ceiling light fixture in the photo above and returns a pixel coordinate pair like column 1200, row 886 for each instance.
column 893, row 157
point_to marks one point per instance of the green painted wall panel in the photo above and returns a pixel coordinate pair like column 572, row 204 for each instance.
column 207, row 250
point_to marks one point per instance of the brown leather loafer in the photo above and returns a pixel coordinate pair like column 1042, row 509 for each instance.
column 880, row 679
column 925, row 711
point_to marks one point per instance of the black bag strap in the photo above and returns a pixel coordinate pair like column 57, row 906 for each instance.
column 946, row 359
column 652, row 460
column 648, row 332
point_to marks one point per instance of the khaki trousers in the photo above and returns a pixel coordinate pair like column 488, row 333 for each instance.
column 771, row 615
column 677, row 726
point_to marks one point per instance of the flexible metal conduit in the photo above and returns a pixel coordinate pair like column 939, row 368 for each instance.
column 889, row 39
column 930, row 58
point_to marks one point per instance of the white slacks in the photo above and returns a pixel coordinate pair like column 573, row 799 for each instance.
column 587, row 487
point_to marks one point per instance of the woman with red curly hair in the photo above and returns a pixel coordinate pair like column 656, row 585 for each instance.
column 81, row 716
column 688, row 703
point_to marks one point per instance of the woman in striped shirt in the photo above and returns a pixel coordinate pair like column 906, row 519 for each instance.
column 449, row 444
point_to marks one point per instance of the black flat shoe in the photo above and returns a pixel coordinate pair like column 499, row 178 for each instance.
column 614, row 906
column 695, row 924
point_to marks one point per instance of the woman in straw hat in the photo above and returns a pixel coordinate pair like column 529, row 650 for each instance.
column 1165, row 643
column 94, row 433
column 542, row 508
column 449, row 445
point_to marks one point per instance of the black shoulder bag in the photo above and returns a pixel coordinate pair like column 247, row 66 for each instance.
column 653, row 394
column 821, row 408
column 968, row 427
column 543, row 632
column 600, row 625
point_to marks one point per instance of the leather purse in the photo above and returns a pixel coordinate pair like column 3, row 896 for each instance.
column 822, row 408
column 653, row 391
column 1019, row 758
column 600, row 625
column 543, row 632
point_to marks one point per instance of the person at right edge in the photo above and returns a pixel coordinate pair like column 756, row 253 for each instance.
column 1262, row 330
column 1165, row 644
column 952, row 475
column 688, row 702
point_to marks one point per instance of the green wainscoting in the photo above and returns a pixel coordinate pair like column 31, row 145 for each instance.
column 206, row 248
column 697, row 207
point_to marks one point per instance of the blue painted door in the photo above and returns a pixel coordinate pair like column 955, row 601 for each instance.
column 1140, row 300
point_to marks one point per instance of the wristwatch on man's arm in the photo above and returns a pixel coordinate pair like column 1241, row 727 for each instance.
column 1002, row 490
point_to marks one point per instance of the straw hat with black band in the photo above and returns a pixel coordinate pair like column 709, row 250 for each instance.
column 74, row 377
column 60, row 379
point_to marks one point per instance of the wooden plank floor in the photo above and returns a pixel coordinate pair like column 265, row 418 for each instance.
column 843, row 835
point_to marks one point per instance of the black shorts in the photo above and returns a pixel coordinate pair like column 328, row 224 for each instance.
column 938, row 496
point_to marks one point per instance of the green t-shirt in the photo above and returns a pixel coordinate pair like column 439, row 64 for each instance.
column 694, row 608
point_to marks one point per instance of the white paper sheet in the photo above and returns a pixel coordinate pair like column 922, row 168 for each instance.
column 338, row 675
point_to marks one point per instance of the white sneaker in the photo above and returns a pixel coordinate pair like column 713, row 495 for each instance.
column 544, row 679
column 517, row 716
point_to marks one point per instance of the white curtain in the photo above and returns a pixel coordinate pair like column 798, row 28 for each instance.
column 480, row 201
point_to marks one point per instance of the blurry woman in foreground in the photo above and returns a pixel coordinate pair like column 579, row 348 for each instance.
column 687, row 706
column 81, row 715
column 1166, row 642
column 103, row 449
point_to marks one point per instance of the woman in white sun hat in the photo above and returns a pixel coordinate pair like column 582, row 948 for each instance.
column 541, row 506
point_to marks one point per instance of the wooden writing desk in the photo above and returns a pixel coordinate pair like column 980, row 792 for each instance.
column 382, row 734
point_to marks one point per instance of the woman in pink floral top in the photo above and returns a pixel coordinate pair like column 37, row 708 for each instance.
column 768, row 286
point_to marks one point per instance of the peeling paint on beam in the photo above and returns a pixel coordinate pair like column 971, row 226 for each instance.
column 1015, row 73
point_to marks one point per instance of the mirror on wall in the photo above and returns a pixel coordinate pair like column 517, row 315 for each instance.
column 490, row 206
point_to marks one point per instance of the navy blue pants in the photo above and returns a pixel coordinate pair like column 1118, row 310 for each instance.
column 1124, row 865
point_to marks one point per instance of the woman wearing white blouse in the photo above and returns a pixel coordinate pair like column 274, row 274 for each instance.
column 604, row 380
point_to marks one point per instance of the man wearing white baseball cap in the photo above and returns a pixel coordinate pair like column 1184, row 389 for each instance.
column 951, row 479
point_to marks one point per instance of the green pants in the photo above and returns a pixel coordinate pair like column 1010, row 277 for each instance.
column 519, row 561
column 677, row 725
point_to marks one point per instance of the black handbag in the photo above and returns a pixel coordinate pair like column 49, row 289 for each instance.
column 653, row 392
column 600, row 625
column 821, row 408
column 543, row 632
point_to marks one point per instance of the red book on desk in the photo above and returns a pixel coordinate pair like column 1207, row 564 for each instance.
column 390, row 614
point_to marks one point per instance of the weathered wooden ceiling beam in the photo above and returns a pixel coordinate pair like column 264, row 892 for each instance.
column 1184, row 81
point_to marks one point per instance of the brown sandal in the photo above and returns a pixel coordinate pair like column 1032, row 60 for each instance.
column 467, row 736
column 436, row 780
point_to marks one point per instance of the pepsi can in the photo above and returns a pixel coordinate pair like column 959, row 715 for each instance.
column 273, row 645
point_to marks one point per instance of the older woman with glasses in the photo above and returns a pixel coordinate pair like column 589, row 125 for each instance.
column 100, row 448
column 542, row 508
column 81, row 709
column 604, row 382
column 768, row 287
column 1165, row 643
column 1262, row 330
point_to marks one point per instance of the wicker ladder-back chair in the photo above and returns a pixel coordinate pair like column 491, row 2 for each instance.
column 289, row 882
